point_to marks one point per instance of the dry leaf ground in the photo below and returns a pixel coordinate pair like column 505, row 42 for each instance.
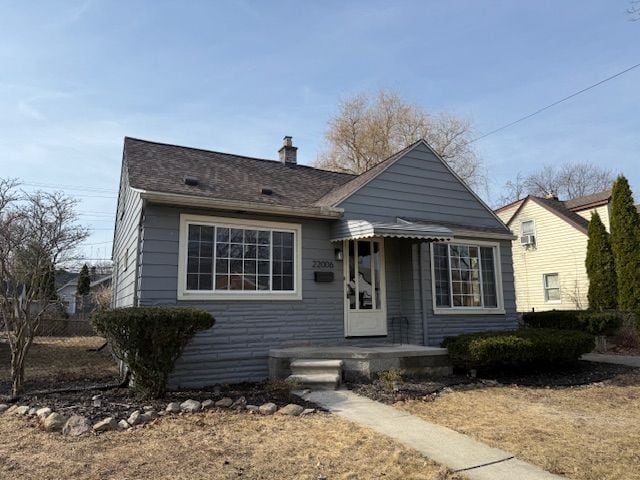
column 586, row 433
column 215, row 445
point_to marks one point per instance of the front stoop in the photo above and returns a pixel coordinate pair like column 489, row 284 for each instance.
column 316, row 374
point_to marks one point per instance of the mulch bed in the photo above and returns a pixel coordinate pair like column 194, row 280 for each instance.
column 427, row 388
column 120, row 402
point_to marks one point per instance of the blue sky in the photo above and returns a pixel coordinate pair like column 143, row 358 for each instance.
column 77, row 76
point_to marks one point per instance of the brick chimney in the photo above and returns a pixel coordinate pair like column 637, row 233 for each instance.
column 551, row 195
column 288, row 153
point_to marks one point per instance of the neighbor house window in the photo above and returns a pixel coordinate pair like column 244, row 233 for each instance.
column 227, row 256
column 551, row 287
column 528, row 227
column 465, row 276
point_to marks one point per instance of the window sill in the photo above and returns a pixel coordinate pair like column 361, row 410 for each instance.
column 469, row 311
column 217, row 296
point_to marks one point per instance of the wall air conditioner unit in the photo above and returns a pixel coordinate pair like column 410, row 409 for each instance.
column 527, row 240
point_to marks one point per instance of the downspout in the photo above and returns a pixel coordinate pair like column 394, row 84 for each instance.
column 423, row 291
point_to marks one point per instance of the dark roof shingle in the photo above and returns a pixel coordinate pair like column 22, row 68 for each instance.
column 559, row 208
column 588, row 201
column 162, row 167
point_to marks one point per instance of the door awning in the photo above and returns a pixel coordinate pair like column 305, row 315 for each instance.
column 355, row 229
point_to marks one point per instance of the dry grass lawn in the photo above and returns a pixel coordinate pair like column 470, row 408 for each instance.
column 587, row 433
column 55, row 359
column 216, row 445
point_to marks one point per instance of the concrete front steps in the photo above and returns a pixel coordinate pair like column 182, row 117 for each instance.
column 316, row 374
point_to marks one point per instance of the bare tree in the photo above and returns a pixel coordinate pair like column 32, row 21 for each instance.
column 513, row 190
column 38, row 231
column 102, row 298
column 367, row 130
column 634, row 10
column 567, row 181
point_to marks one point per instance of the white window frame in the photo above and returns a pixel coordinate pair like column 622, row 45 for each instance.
column 264, row 295
column 522, row 222
column 545, row 288
column 452, row 310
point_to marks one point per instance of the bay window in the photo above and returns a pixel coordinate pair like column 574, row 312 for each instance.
column 465, row 277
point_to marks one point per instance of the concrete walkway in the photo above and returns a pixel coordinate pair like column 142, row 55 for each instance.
column 628, row 360
column 460, row 453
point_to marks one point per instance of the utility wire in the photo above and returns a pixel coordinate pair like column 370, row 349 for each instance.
column 521, row 119
column 69, row 187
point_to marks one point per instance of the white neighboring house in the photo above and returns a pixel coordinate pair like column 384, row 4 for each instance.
column 68, row 296
column 550, row 250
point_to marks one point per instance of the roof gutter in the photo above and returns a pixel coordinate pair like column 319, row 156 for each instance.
column 459, row 232
column 330, row 213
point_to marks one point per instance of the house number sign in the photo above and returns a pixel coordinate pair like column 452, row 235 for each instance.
column 328, row 264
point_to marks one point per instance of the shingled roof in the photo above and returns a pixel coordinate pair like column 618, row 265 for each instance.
column 588, row 201
column 159, row 167
column 559, row 208
column 565, row 209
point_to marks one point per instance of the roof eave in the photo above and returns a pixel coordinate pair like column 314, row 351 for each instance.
column 587, row 206
column 330, row 213
column 463, row 233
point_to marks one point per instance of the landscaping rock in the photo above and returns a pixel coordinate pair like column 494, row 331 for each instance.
column 208, row 404
column 96, row 401
column 292, row 410
column 76, row 426
column 240, row 403
column 123, row 425
column 173, row 407
column 149, row 416
column 268, row 408
column 252, row 408
column 23, row 410
column 148, row 408
column 308, row 411
column 3, row 407
column 226, row 402
column 134, row 418
column 12, row 409
column 32, row 411
column 190, row 406
column 54, row 422
column 105, row 425
column 43, row 413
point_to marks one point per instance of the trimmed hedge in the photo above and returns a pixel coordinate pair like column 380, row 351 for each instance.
column 150, row 340
column 528, row 349
column 593, row 322
column 560, row 319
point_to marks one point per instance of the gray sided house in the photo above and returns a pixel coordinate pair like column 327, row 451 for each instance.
column 286, row 255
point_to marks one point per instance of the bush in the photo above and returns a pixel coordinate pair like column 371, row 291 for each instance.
column 390, row 378
column 528, row 349
column 593, row 322
column 150, row 340
column 600, row 323
column 560, row 319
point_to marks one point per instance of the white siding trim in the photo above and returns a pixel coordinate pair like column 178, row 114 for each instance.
column 183, row 294
column 499, row 310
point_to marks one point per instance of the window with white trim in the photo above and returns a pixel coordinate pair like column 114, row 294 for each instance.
column 465, row 276
column 528, row 227
column 239, row 257
column 551, row 283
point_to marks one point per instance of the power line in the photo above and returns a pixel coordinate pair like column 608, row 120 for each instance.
column 96, row 243
column 521, row 119
column 69, row 187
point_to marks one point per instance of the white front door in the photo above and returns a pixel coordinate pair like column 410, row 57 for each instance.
column 365, row 304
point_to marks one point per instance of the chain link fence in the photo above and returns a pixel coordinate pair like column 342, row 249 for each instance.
column 66, row 354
